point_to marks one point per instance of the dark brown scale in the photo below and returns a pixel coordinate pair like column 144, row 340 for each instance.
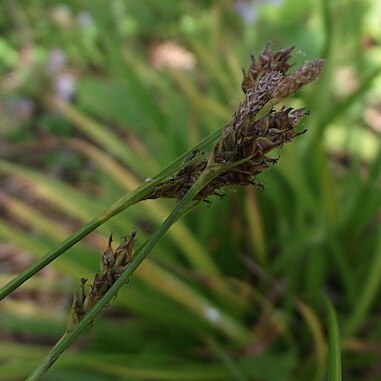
column 247, row 147
column 265, row 145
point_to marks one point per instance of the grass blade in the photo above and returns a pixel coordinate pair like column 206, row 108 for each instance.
column 334, row 352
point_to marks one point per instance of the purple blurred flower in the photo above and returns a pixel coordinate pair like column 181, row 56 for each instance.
column 248, row 9
column 56, row 61
column 64, row 85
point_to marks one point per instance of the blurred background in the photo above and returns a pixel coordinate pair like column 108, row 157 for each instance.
column 96, row 96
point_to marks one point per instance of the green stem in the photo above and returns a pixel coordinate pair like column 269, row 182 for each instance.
column 69, row 337
column 334, row 354
column 367, row 295
column 328, row 28
column 231, row 367
column 119, row 206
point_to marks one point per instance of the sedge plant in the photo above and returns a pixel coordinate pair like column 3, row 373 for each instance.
column 240, row 152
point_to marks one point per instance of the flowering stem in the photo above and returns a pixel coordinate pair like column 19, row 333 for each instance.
column 181, row 208
column 123, row 203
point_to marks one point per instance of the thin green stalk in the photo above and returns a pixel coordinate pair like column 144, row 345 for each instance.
column 231, row 367
column 328, row 28
column 367, row 295
column 182, row 207
column 334, row 353
column 119, row 206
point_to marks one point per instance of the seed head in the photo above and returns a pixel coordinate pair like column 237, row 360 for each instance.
column 111, row 267
column 255, row 129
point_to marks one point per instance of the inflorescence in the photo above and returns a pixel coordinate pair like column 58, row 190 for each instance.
column 112, row 264
column 255, row 129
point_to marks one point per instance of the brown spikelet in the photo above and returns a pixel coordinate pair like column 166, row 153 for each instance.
column 111, row 267
column 268, row 61
column 255, row 129
column 301, row 77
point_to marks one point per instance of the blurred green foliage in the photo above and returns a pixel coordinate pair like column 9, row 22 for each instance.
column 146, row 81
